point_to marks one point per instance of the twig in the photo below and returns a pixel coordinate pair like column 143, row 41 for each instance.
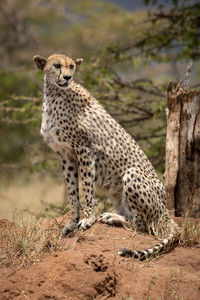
column 9, row 121
column 187, row 76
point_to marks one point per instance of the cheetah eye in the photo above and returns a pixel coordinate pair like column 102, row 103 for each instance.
column 57, row 66
column 71, row 66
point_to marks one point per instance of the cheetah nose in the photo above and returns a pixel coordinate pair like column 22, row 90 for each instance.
column 67, row 77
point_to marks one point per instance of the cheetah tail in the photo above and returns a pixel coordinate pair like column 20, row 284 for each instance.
column 170, row 240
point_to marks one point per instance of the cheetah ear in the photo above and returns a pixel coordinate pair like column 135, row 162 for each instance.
column 40, row 61
column 78, row 61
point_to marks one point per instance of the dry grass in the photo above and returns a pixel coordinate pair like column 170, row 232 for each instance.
column 172, row 287
column 27, row 239
column 190, row 232
column 159, row 228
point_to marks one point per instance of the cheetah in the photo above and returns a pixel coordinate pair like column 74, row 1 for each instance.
column 92, row 146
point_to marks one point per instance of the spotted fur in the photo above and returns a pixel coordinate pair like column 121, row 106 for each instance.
column 92, row 146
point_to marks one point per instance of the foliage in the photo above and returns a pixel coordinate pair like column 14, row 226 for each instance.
column 174, row 31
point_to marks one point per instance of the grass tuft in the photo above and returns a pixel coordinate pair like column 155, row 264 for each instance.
column 190, row 232
column 27, row 239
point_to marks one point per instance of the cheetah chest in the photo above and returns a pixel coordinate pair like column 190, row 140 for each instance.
column 49, row 128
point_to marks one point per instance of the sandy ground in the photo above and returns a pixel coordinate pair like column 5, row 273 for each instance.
column 88, row 267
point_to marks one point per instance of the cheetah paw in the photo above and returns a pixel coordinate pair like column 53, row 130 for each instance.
column 86, row 223
column 112, row 219
column 69, row 228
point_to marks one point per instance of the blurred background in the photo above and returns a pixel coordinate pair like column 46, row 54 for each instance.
column 131, row 51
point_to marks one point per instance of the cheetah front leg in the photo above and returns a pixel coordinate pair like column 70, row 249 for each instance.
column 70, row 170
column 87, row 174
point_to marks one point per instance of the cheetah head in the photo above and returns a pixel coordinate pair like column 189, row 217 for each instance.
column 59, row 69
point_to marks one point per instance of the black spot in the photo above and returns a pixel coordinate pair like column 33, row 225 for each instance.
column 142, row 256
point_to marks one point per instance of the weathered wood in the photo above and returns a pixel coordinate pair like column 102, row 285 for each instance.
column 182, row 175
column 172, row 143
column 196, row 188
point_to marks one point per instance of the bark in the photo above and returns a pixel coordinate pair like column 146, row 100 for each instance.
column 182, row 176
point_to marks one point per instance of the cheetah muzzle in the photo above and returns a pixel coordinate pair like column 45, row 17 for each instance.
column 93, row 147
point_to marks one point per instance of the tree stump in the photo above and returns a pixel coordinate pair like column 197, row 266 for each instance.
column 182, row 175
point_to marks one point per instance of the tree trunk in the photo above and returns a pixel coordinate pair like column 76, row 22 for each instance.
column 182, row 175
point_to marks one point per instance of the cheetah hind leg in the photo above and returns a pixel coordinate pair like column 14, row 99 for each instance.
column 112, row 219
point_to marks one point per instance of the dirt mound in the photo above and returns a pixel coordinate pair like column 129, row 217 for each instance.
column 88, row 267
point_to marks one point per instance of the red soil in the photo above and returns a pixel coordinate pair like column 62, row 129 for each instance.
column 89, row 268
